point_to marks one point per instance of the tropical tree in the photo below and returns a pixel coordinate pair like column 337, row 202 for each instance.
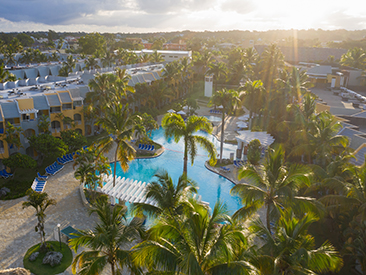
column 169, row 198
column 40, row 202
column 272, row 60
column 13, row 136
column 108, row 243
column 228, row 99
column 196, row 242
column 291, row 250
column 91, row 63
column 4, row 74
column 108, row 59
column 44, row 124
column 119, row 124
column 156, row 57
column 273, row 185
column 175, row 126
column 69, row 64
column 355, row 58
column 218, row 70
column 252, row 97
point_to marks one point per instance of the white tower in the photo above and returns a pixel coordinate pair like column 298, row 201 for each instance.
column 208, row 85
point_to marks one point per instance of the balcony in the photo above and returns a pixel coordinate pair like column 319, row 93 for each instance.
column 55, row 130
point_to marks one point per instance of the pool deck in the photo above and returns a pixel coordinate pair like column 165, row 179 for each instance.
column 17, row 233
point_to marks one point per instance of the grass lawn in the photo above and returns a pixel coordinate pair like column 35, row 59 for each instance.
column 38, row 268
column 23, row 179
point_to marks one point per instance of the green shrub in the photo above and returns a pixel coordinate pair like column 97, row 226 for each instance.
column 254, row 151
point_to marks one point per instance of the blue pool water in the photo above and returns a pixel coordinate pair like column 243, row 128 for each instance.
column 212, row 187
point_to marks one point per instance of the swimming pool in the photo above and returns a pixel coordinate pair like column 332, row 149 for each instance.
column 211, row 186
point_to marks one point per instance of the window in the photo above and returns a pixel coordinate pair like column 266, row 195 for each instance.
column 55, row 109
column 78, row 103
column 66, row 106
column 25, row 117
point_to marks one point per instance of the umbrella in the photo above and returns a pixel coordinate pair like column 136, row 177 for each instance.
column 243, row 117
column 181, row 113
column 242, row 124
column 220, row 107
column 185, row 108
column 171, row 111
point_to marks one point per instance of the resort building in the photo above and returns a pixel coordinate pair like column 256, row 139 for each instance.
column 39, row 92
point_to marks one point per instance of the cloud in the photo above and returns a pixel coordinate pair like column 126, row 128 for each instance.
column 342, row 20
column 173, row 6
column 239, row 6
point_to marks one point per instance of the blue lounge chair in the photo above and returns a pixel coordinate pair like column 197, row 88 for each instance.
column 41, row 177
column 6, row 174
column 3, row 175
column 143, row 147
column 61, row 160
column 140, row 146
column 148, row 147
column 152, row 148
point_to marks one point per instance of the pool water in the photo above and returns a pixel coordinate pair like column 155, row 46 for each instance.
column 212, row 187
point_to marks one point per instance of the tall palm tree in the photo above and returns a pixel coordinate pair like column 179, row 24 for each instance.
column 108, row 59
column 228, row 99
column 13, row 135
column 107, row 243
column 218, row 70
column 273, row 185
column 4, row 74
column 252, row 97
column 196, row 242
column 40, row 202
column 119, row 124
column 272, row 60
column 170, row 198
column 175, row 126
column 291, row 250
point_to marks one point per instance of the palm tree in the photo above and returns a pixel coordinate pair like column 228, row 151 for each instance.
column 13, row 135
column 69, row 64
column 91, row 63
column 273, row 185
column 40, row 202
column 108, row 59
column 291, row 250
column 272, row 60
column 228, row 99
column 320, row 141
column 169, row 198
column 176, row 127
column 156, row 57
column 196, row 242
column 107, row 243
column 252, row 97
column 119, row 124
column 4, row 74
column 218, row 70
column 355, row 58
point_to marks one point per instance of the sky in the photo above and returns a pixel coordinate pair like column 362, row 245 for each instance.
column 177, row 15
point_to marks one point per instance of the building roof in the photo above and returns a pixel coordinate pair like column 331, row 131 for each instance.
column 360, row 157
column 43, row 71
column 321, row 70
column 306, row 54
column 31, row 73
column 10, row 110
column 53, row 100
column 40, row 102
column 361, row 114
column 65, row 97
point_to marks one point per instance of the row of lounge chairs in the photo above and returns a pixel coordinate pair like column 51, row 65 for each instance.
column 38, row 185
column 213, row 111
column 239, row 163
column 54, row 168
column 5, row 174
column 146, row 147
column 66, row 158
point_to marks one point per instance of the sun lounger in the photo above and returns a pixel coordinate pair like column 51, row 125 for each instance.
column 152, row 148
column 3, row 175
column 148, row 147
column 62, row 161
column 6, row 174
column 69, row 232
column 41, row 177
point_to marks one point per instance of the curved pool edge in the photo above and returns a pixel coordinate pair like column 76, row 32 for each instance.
column 213, row 170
